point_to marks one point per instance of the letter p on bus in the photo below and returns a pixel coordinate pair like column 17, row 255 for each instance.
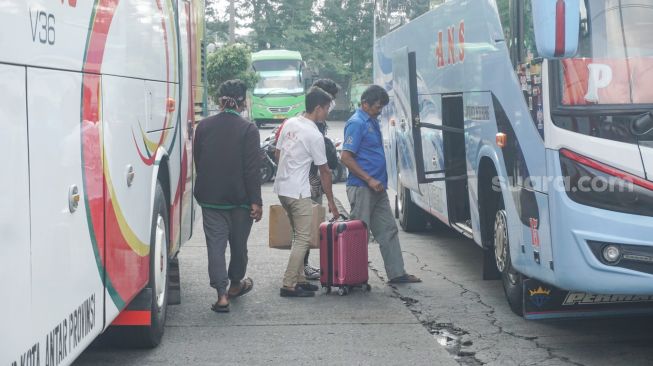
column 600, row 76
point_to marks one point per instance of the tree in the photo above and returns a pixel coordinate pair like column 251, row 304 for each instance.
column 229, row 62
column 334, row 36
column 217, row 20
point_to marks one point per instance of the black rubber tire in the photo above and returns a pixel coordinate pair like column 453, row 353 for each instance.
column 411, row 217
column 513, row 281
column 150, row 336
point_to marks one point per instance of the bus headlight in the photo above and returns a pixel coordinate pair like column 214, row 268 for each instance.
column 599, row 185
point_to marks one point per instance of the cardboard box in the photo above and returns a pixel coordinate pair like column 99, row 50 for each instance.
column 280, row 234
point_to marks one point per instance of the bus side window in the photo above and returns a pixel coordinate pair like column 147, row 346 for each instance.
column 506, row 12
column 529, row 66
column 527, row 37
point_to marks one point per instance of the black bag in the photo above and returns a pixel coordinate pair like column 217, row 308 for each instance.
column 331, row 153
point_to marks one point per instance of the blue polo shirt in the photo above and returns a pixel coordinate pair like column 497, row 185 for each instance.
column 363, row 138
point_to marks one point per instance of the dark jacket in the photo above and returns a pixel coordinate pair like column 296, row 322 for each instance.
column 227, row 158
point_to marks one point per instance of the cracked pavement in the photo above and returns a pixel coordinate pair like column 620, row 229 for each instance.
column 453, row 317
column 453, row 299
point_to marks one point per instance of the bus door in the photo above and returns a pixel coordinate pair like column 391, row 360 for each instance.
column 406, row 107
column 454, row 173
column 16, row 342
column 66, row 205
column 388, row 121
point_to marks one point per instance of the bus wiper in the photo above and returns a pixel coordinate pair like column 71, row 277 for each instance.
column 642, row 125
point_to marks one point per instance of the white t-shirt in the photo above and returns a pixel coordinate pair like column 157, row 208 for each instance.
column 301, row 144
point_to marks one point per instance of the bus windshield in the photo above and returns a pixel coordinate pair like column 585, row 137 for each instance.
column 614, row 63
column 278, row 77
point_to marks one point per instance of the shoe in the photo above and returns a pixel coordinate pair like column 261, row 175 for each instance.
column 308, row 287
column 405, row 279
column 311, row 273
column 297, row 292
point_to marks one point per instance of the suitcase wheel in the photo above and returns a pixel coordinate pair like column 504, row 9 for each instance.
column 367, row 287
column 328, row 289
column 342, row 291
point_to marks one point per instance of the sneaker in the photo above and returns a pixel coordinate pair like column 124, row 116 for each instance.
column 297, row 292
column 311, row 273
column 308, row 287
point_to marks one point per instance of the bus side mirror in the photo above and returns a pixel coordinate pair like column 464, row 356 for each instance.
column 556, row 24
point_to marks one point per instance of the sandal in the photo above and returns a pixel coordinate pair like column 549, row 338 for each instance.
column 246, row 286
column 405, row 279
column 220, row 308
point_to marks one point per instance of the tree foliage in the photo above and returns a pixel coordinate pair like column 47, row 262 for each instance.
column 229, row 62
column 334, row 36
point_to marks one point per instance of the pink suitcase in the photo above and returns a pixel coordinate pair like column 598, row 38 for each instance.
column 343, row 256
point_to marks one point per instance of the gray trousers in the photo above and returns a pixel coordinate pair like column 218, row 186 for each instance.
column 374, row 209
column 222, row 227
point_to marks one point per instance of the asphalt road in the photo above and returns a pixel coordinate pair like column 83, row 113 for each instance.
column 452, row 317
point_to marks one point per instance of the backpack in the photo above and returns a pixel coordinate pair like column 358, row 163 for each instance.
column 331, row 153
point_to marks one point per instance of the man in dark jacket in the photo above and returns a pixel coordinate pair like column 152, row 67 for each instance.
column 228, row 188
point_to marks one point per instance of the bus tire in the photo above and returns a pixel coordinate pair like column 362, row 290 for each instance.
column 411, row 217
column 150, row 336
column 511, row 278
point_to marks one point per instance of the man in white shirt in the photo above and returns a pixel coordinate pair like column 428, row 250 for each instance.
column 299, row 145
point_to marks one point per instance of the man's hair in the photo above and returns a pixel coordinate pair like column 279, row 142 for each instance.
column 232, row 93
column 375, row 94
column 317, row 97
column 328, row 86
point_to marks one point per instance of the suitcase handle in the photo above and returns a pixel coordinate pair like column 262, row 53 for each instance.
column 341, row 216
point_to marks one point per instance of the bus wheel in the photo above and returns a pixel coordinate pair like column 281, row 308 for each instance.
column 512, row 280
column 150, row 336
column 411, row 217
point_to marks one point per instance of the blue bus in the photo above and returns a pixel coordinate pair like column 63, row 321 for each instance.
column 526, row 125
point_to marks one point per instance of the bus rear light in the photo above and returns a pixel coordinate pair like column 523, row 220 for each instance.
column 591, row 183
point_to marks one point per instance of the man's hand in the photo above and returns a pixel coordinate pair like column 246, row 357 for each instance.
column 256, row 213
column 375, row 185
column 334, row 209
column 347, row 158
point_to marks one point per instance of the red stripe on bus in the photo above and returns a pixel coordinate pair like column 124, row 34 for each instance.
column 560, row 28
column 133, row 317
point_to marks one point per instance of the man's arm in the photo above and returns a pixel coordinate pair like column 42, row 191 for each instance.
column 327, row 187
column 197, row 146
column 253, row 172
column 347, row 158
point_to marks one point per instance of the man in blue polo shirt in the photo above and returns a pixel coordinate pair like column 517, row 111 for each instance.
column 363, row 155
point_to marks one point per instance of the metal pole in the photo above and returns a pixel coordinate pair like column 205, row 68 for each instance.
column 232, row 21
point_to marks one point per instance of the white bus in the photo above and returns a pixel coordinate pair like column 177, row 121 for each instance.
column 97, row 107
